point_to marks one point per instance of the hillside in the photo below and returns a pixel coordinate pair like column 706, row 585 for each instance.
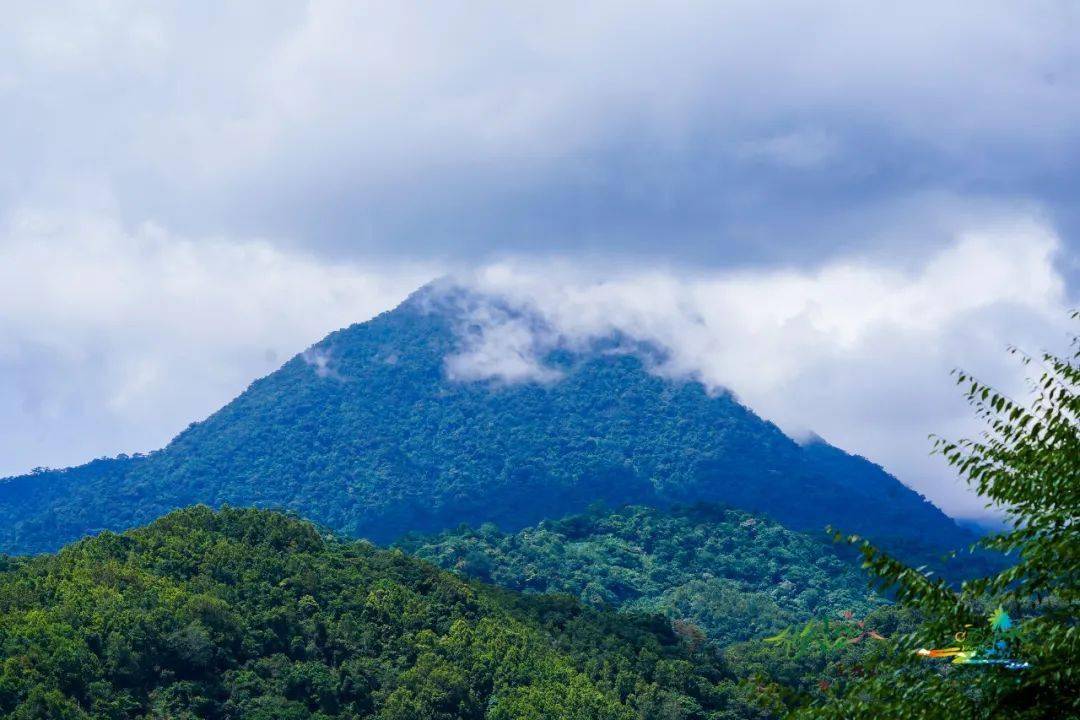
column 252, row 614
column 733, row 575
column 366, row 434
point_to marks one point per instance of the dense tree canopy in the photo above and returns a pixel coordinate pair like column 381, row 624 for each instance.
column 255, row 615
column 733, row 575
column 791, row 615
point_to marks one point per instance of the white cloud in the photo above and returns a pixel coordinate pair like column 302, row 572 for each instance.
column 856, row 350
column 322, row 362
column 112, row 339
column 501, row 346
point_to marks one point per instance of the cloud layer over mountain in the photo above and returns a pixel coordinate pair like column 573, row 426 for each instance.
column 115, row 340
column 823, row 206
column 854, row 350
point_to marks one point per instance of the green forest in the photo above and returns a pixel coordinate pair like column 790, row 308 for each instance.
column 649, row 611
column 733, row 575
column 254, row 614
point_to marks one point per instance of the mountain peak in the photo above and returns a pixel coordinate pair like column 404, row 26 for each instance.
column 462, row 407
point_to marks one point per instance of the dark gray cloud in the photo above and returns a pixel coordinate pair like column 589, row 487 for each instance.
column 711, row 133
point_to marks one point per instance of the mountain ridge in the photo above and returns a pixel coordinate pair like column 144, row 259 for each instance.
column 365, row 432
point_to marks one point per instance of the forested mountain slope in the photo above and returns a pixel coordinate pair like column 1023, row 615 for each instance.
column 733, row 575
column 367, row 434
column 254, row 615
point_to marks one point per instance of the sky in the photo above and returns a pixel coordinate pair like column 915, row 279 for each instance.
column 824, row 207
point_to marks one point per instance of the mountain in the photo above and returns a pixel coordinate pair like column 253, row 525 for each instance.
column 252, row 614
column 988, row 525
column 370, row 434
column 734, row 575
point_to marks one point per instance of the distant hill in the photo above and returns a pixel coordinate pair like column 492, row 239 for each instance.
column 733, row 575
column 367, row 434
column 252, row 614
column 988, row 525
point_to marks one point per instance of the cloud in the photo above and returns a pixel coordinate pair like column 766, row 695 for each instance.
column 112, row 339
column 500, row 344
column 792, row 150
column 856, row 350
column 739, row 132
column 320, row 360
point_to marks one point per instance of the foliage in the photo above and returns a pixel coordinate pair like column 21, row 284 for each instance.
column 247, row 614
column 1028, row 464
column 725, row 573
column 723, row 577
column 804, row 663
column 366, row 434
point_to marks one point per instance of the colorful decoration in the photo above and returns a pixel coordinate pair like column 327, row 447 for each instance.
column 829, row 636
column 972, row 646
column 986, row 649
